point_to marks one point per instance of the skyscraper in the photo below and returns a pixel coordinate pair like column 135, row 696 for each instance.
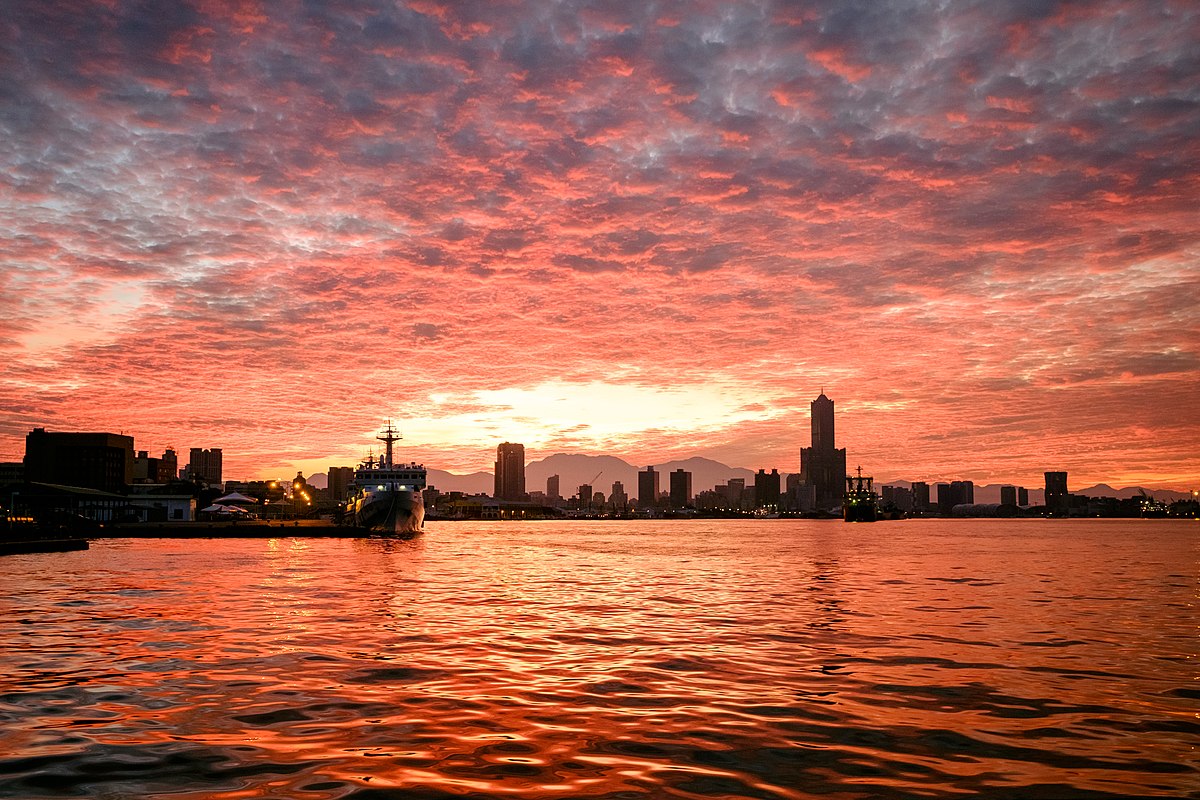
column 681, row 488
column 205, row 465
column 1057, row 502
column 510, row 472
column 648, row 488
column 552, row 488
column 823, row 466
column 766, row 488
column 340, row 479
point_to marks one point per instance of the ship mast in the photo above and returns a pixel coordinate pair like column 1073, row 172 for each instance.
column 389, row 435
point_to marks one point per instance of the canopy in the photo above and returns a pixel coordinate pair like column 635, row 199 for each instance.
column 235, row 498
column 217, row 508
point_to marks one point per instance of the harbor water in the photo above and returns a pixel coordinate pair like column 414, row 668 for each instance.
column 683, row 659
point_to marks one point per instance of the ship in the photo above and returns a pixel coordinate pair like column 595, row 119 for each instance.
column 861, row 503
column 385, row 495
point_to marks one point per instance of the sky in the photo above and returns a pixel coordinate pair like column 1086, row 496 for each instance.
column 651, row 230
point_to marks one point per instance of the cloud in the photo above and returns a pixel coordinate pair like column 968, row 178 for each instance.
column 974, row 206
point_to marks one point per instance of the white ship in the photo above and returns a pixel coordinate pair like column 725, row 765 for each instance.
column 386, row 496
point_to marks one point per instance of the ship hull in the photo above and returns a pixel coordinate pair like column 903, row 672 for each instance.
column 390, row 511
column 860, row 510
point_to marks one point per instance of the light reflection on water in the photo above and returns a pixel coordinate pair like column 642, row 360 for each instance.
column 770, row 659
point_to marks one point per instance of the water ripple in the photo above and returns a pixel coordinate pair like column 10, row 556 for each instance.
column 734, row 660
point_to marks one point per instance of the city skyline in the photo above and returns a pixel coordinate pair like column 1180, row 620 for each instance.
column 618, row 229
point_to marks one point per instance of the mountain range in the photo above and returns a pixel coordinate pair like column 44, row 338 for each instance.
column 601, row 471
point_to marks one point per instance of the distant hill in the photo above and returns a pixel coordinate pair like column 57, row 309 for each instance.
column 599, row 471
column 474, row 483
column 575, row 470
column 1104, row 490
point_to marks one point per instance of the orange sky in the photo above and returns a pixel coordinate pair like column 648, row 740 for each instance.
column 648, row 230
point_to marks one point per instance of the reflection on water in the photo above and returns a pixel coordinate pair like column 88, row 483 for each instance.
column 769, row 659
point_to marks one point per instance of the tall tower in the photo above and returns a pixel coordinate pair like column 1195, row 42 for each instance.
column 822, row 424
column 510, row 472
column 823, row 466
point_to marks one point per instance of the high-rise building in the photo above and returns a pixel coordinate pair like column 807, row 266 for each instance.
column 1022, row 496
column 648, row 488
column 205, row 465
column 510, row 472
column 340, row 479
column 168, row 466
column 585, row 495
column 1057, row 498
column 734, row 489
column 766, row 488
column 1008, row 495
column 823, row 465
column 552, row 489
column 681, row 488
column 920, row 493
column 101, row 461
column 618, row 498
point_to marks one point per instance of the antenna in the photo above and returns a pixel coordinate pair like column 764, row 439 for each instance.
column 389, row 436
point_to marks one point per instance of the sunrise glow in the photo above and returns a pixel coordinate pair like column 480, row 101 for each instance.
column 636, row 229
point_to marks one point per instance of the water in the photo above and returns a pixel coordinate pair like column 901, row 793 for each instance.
column 770, row 659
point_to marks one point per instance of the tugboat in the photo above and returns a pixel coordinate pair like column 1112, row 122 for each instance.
column 861, row 503
column 385, row 496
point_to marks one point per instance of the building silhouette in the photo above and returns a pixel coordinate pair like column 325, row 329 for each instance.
column 920, row 496
column 681, row 488
column 101, row 461
column 552, row 489
column 648, row 488
column 205, row 465
column 340, row 479
column 618, row 498
column 1057, row 497
column 585, row 496
column 168, row 466
column 823, row 466
column 766, row 488
column 510, row 472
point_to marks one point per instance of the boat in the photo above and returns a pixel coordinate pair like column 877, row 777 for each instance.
column 861, row 504
column 385, row 495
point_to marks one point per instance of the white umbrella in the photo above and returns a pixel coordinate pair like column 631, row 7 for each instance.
column 235, row 498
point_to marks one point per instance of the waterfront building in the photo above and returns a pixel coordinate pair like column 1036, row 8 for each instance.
column 945, row 501
column 584, row 496
column 618, row 498
column 1008, row 495
column 766, row 489
column 552, row 490
column 898, row 498
column 205, row 465
column 681, row 488
column 734, row 489
column 145, row 468
column 920, row 496
column 510, row 471
column 102, row 461
column 648, row 488
column 11, row 472
column 340, row 479
column 823, row 465
column 168, row 466
column 1057, row 498
column 1022, row 496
